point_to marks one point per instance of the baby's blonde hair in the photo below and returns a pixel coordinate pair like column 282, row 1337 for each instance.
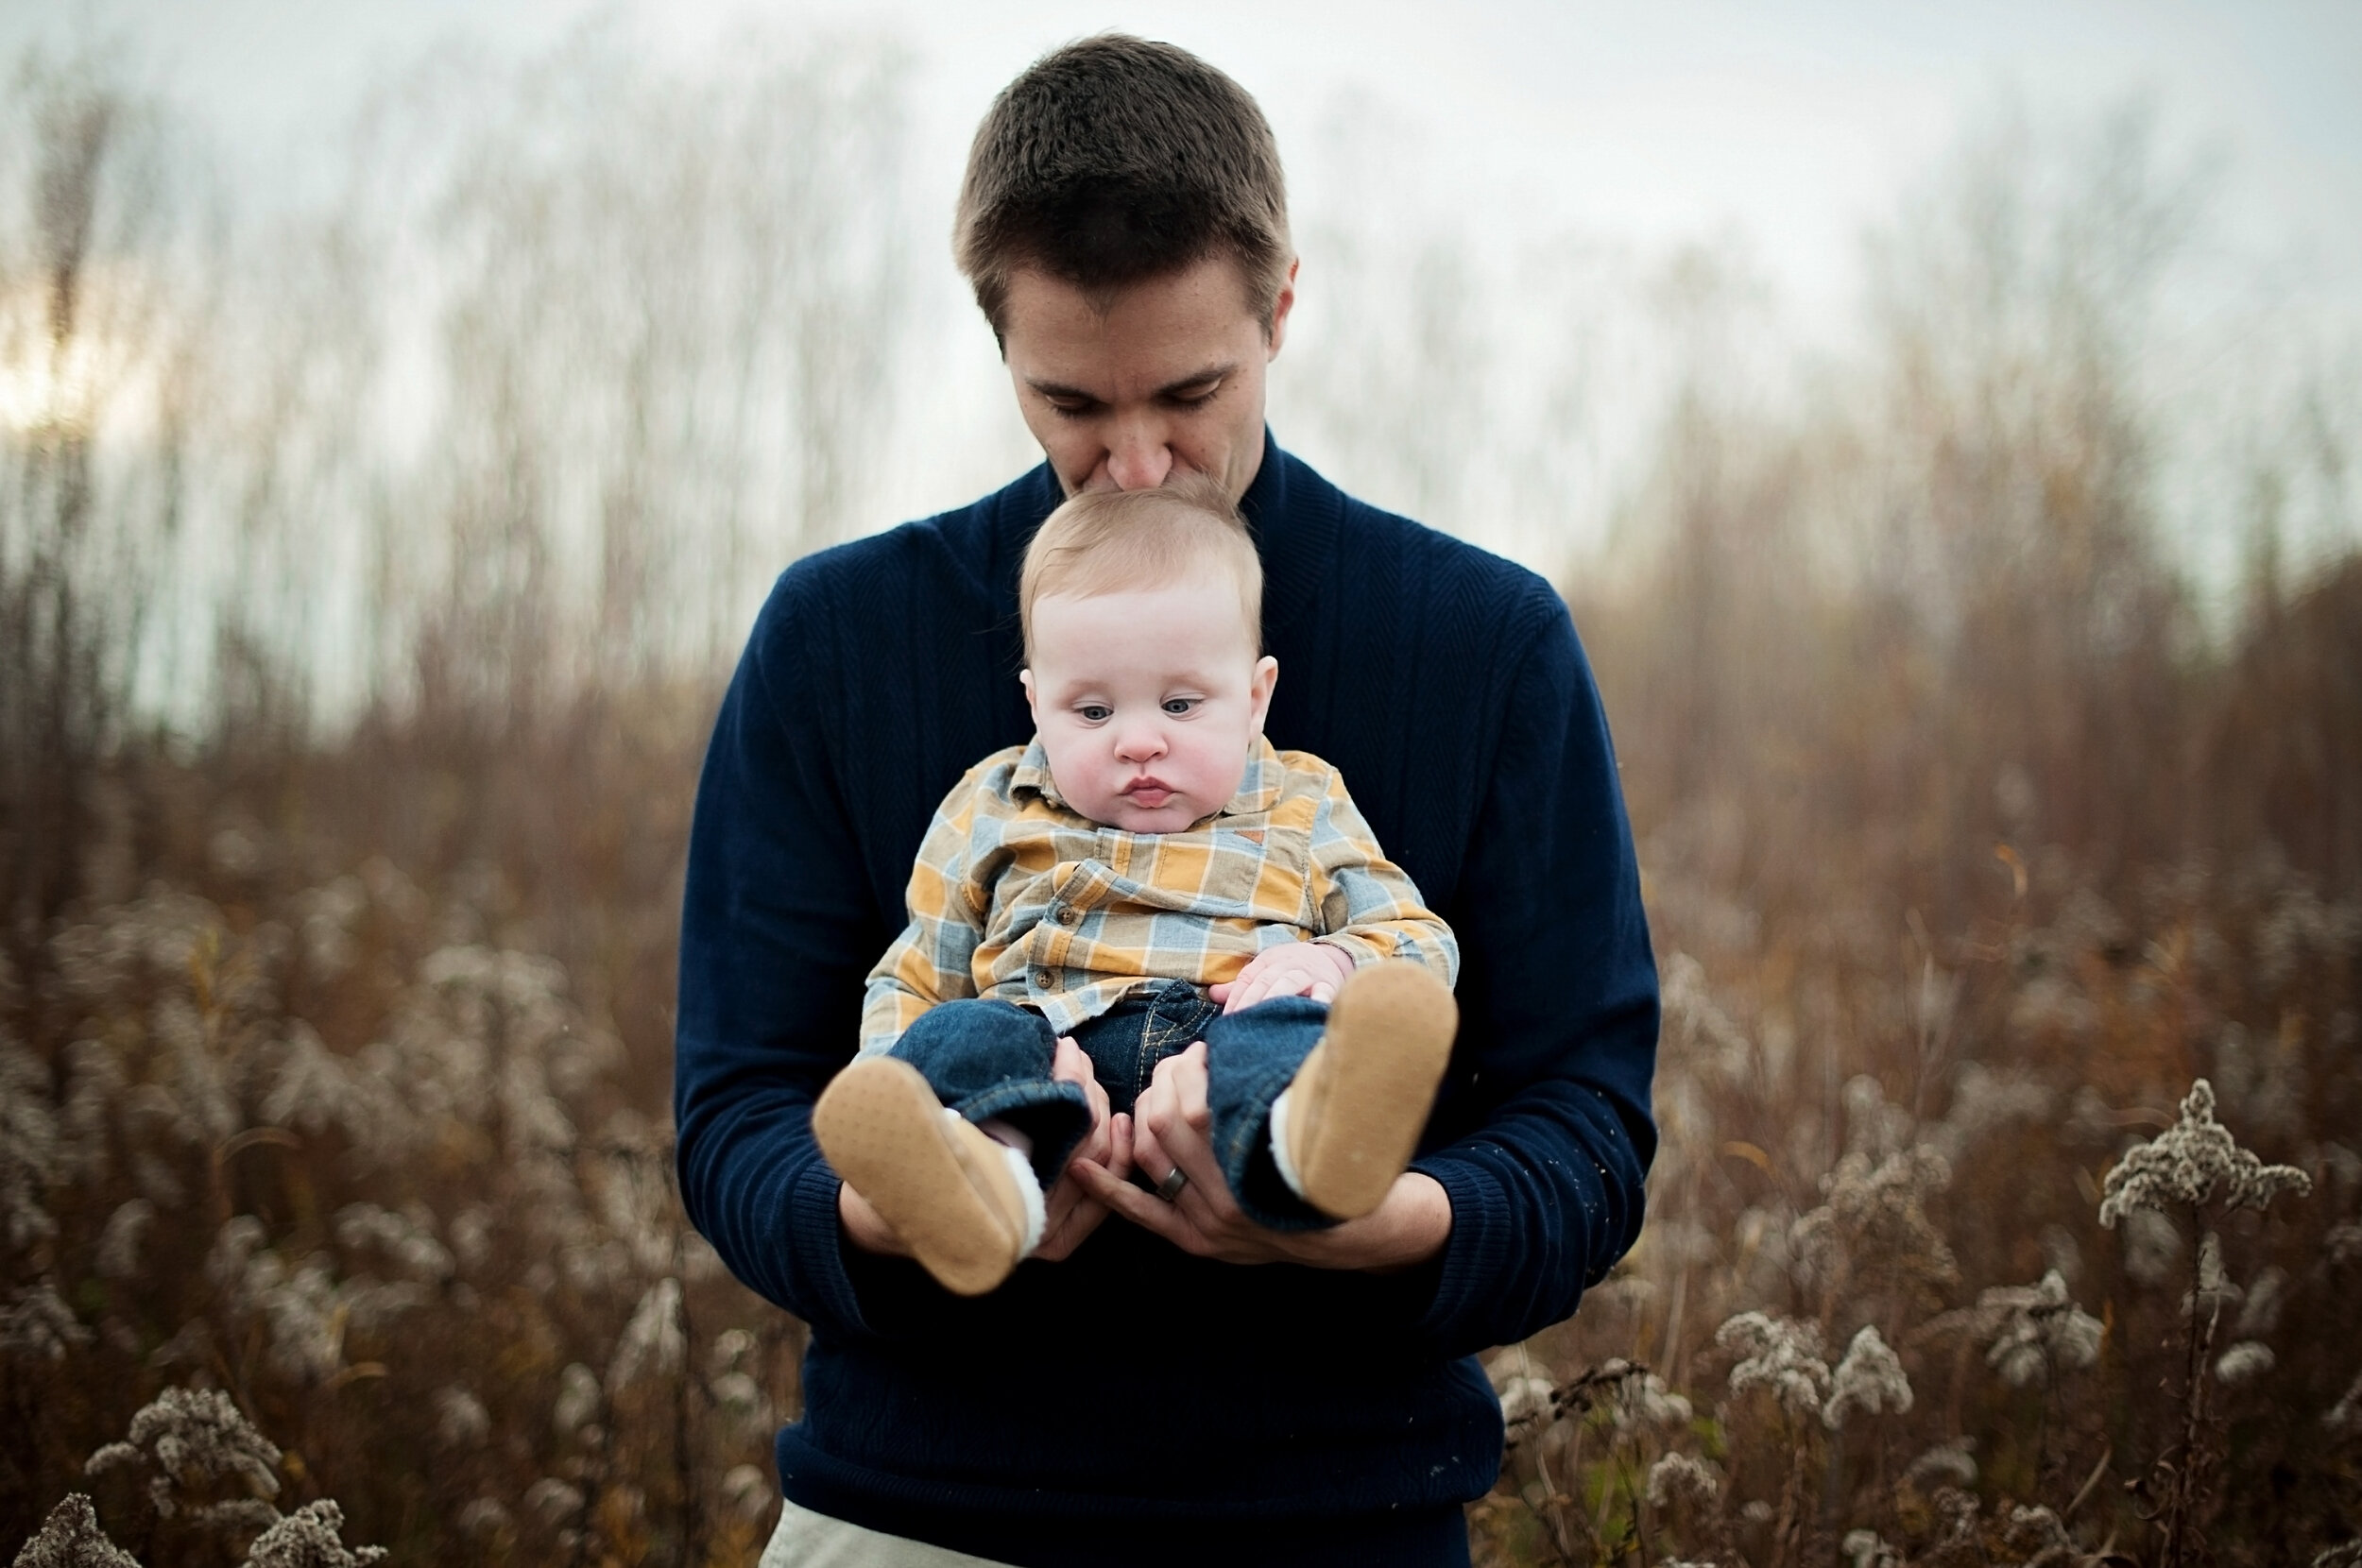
column 1106, row 541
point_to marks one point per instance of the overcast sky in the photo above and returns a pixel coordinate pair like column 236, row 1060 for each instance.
column 1793, row 124
column 1787, row 129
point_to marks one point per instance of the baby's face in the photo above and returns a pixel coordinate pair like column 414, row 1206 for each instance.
column 1148, row 701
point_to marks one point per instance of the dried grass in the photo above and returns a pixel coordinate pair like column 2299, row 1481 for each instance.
column 334, row 1159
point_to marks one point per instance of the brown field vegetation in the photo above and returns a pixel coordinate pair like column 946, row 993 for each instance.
column 336, row 1200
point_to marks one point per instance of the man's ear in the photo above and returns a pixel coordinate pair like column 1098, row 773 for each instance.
column 1278, row 333
column 1258, row 689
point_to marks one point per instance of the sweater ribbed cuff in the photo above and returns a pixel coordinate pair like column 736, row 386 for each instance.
column 1475, row 1258
column 815, row 1237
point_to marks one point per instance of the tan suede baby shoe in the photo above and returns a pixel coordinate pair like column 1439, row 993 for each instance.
column 1357, row 1102
column 948, row 1190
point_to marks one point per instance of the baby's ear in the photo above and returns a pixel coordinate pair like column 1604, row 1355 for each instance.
column 1025, row 678
column 1259, row 687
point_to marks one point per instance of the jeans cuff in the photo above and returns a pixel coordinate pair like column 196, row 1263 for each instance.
column 1053, row 1114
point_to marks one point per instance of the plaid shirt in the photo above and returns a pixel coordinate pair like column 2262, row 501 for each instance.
column 1018, row 896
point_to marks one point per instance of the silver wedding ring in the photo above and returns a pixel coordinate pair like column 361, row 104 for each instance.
column 1170, row 1188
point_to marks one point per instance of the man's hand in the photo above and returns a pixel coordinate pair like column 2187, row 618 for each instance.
column 864, row 1226
column 1073, row 1210
column 1313, row 969
column 1168, row 1128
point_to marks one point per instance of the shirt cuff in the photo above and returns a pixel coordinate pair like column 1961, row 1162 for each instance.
column 1360, row 949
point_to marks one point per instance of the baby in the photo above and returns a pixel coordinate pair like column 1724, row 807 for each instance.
column 1148, row 872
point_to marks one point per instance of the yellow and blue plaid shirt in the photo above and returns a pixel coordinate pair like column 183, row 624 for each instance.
column 1019, row 897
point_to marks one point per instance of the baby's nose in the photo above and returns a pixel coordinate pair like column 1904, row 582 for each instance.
column 1140, row 744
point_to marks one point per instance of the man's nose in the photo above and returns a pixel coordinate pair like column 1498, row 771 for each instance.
column 1139, row 459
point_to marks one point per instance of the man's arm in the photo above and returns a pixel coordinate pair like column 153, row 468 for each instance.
column 1559, row 991
column 777, row 932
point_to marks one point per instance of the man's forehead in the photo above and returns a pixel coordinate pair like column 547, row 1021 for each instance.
column 1206, row 302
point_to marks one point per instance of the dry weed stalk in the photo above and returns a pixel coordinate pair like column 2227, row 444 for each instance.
column 2196, row 1172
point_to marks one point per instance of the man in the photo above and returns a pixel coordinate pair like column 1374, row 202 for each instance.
column 1125, row 225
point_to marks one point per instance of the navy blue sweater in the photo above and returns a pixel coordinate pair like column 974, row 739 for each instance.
column 1132, row 1392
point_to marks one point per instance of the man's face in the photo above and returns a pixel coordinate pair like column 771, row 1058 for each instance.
column 1164, row 377
column 1148, row 701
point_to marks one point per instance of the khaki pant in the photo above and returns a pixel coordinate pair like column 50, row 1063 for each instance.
column 809, row 1540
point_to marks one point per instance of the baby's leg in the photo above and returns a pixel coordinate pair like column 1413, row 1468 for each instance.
column 990, row 1061
column 902, row 1130
column 1316, row 1111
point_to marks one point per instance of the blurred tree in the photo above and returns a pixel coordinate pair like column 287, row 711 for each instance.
column 2017, row 455
column 96, row 339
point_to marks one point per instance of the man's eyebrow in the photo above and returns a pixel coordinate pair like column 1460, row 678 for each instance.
column 1059, row 389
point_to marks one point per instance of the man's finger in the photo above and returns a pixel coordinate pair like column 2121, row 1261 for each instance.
column 1154, row 1112
column 1072, row 1064
column 1148, row 1154
column 1148, row 1213
column 1120, row 1136
column 1206, row 1200
column 1065, row 1197
column 1069, row 1223
column 1189, row 1083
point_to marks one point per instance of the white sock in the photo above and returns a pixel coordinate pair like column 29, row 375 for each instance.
column 1279, row 1144
column 1029, row 1188
column 1017, row 1150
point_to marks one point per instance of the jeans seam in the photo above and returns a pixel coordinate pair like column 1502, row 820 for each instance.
column 1144, row 1055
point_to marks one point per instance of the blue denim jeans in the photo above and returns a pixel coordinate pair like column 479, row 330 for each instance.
column 987, row 1058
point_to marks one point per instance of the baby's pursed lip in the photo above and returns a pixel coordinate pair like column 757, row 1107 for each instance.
column 1139, row 790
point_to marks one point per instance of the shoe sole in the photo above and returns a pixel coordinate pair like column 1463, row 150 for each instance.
column 1388, row 1041
column 887, row 1135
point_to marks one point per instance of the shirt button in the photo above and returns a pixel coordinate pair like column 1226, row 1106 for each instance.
column 1046, row 978
column 1069, row 914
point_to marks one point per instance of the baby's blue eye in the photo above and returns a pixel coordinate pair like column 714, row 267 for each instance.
column 1179, row 706
column 1092, row 714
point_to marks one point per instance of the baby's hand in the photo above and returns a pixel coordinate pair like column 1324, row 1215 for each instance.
column 1313, row 969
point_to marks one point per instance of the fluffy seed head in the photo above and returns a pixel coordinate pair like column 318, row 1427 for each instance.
column 1869, row 1378
column 2182, row 1165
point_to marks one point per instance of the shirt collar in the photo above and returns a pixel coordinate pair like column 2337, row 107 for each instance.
column 1258, row 786
column 1033, row 772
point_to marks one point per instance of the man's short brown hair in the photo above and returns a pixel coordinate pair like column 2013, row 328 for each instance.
column 1114, row 161
column 1110, row 541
